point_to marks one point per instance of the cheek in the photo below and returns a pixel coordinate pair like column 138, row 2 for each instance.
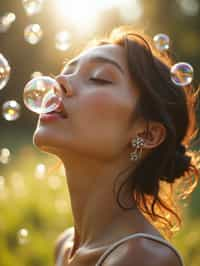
column 104, row 115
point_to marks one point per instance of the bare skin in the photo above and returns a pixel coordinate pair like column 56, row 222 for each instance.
column 94, row 143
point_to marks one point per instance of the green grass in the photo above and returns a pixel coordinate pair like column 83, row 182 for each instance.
column 41, row 205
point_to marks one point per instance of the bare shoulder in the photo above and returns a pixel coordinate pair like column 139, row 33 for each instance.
column 142, row 252
column 66, row 234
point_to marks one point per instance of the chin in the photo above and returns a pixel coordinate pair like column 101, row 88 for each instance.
column 45, row 142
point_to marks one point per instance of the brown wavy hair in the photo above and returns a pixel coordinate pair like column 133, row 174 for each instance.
column 170, row 171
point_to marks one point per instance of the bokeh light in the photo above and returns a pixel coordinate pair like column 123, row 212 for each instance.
column 33, row 33
column 6, row 21
column 11, row 110
column 32, row 7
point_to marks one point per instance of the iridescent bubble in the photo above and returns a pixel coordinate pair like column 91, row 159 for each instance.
column 32, row 7
column 23, row 236
column 40, row 171
column 4, row 71
column 42, row 95
column 33, row 33
column 11, row 110
column 162, row 42
column 6, row 21
column 182, row 74
column 63, row 40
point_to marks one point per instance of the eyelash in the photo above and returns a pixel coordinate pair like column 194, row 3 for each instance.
column 102, row 81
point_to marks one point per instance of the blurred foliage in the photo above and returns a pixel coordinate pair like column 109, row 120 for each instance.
column 42, row 205
column 35, row 201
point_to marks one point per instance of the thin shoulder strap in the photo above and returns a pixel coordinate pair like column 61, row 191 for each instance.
column 61, row 254
column 156, row 238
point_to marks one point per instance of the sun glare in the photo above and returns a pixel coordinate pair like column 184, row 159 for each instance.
column 83, row 14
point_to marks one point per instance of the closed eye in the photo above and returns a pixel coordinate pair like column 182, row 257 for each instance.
column 100, row 81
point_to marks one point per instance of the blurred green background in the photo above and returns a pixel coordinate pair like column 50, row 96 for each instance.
column 30, row 198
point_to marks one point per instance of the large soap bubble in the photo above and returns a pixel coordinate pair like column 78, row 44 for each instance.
column 42, row 95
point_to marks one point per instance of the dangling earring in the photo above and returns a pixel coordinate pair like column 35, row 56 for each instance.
column 137, row 143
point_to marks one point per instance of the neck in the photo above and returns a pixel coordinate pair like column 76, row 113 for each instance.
column 96, row 214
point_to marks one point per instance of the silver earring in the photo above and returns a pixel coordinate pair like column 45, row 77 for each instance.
column 138, row 144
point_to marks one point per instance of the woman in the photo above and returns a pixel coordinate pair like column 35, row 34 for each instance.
column 121, row 119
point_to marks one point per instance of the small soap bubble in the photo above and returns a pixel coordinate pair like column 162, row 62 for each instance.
column 162, row 42
column 4, row 71
column 63, row 40
column 11, row 110
column 182, row 74
column 36, row 74
column 33, row 33
column 42, row 94
column 40, row 171
column 23, row 236
column 32, row 7
column 6, row 21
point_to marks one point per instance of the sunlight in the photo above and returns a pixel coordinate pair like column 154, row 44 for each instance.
column 83, row 14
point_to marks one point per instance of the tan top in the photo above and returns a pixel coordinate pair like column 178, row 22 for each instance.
column 60, row 258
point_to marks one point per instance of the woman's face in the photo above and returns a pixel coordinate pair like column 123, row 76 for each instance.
column 99, row 108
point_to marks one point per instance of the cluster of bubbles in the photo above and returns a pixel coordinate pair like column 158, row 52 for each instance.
column 42, row 93
column 181, row 73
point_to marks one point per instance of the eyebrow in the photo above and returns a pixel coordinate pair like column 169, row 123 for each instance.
column 73, row 62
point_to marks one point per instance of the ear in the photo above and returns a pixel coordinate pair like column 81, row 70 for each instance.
column 154, row 136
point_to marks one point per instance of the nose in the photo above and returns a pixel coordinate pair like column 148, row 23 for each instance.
column 64, row 83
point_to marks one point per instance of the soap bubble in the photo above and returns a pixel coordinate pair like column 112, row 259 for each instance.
column 42, row 95
column 32, row 7
column 11, row 110
column 6, row 21
column 23, row 236
column 62, row 40
column 4, row 71
column 33, row 33
column 182, row 74
column 162, row 42
column 36, row 74
column 4, row 155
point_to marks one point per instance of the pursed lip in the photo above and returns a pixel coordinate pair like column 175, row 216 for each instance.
column 52, row 116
